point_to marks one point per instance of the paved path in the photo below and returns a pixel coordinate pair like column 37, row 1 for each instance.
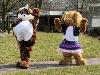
column 43, row 65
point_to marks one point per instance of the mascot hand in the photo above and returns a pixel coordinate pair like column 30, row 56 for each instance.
column 36, row 12
column 83, row 25
column 57, row 24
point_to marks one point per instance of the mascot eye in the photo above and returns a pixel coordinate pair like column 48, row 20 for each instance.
column 20, row 12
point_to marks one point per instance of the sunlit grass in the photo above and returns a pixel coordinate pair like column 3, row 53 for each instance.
column 81, row 70
column 45, row 48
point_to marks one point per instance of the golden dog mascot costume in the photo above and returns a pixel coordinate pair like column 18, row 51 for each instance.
column 25, row 32
column 71, row 24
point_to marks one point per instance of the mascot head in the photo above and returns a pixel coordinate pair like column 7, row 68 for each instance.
column 72, row 18
column 24, row 13
column 26, row 24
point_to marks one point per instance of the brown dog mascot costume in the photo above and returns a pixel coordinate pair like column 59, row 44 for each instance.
column 71, row 24
column 25, row 32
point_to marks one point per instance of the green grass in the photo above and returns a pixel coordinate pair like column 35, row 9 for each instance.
column 45, row 48
column 91, row 46
column 82, row 70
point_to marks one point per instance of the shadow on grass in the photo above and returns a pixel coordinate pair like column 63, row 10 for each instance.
column 7, row 66
column 36, row 65
column 47, row 64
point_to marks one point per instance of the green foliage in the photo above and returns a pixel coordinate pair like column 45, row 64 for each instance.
column 6, row 6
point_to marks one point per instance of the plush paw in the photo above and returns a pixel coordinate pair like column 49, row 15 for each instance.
column 57, row 24
column 81, row 62
column 56, row 20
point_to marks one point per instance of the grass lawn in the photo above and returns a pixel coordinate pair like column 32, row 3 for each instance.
column 45, row 49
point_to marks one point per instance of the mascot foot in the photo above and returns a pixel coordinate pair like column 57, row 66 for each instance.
column 79, row 59
column 65, row 62
column 81, row 62
column 23, row 64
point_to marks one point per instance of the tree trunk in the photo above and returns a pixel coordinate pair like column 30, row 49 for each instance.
column 36, row 4
column 3, row 16
column 82, row 6
column 3, row 22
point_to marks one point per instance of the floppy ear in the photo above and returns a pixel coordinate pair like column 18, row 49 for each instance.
column 64, row 16
column 77, row 17
column 27, row 6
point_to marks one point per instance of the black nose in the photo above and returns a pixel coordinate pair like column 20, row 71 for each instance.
column 24, row 15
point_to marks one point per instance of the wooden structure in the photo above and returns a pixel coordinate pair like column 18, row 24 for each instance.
column 47, row 20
